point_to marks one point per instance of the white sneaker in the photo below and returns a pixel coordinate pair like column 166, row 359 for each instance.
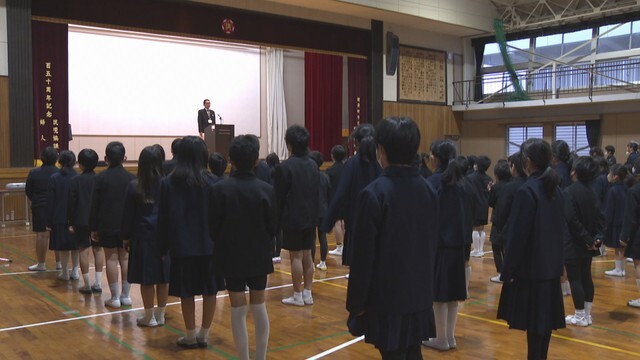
column 629, row 260
column 142, row 322
column 58, row 265
column 590, row 320
column 37, row 267
column 113, row 303
column 308, row 300
column 615, row 272
column 433, row 343
column 634, row 303
column 276, row 260
column 63, row 277
column 125, row 300
column 577, row 320
column 74, row 275
column 337, row 251
column 293, row 301
column 322, row 265
column 476, row 253
column 496, row 279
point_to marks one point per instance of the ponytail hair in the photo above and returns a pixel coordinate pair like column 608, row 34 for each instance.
column 539, row 154
column 66, row 160
column 445, row 152
column 363, row 136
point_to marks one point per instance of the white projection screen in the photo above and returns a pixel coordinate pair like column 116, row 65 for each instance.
column 133, row 84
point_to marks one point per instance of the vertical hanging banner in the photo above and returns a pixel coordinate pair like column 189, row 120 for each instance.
column 50, row 86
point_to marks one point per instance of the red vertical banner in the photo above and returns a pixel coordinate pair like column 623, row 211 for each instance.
column 50, row 86
column 358, row 90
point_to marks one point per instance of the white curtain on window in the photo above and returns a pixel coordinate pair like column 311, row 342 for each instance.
column 276, row 109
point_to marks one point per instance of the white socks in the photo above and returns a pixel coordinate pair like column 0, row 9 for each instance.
column 452, row 317
column 440, row 310
column 98, row 282
column 203, row 334
column 158, row 312
column 191, row 336
column 566, row 288
column 114, row 290
column 85, row 279
column 620, row 265
column 261, row 320
column 587, row 311
column 239, row 330
column 483, row 237
column 126, row 287
column 475, row 236
column 467, row 277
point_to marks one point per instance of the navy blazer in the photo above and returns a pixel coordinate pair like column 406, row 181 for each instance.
column 632, row 158
column 395, row 241
column 356, row 175
column 296, row 182
column 630, row 231
column 80, row 199
column 453, row 230
column 140, row 218
column 584, row 220
column 614, row 212
column 243, row 223
column 36, row 186
column 263, row 172
column 183, row 218
column 502, row 208
column 563, row 171
column 480, row 182
column 107, row 200
column 600, row 186
column 58, row 197
column 533, row 248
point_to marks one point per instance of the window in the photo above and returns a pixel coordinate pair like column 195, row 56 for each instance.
column 518, row 134
column 575, row 135
column 492, row 56
column 617, row 38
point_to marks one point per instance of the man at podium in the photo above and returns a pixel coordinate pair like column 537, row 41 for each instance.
column 206, row 117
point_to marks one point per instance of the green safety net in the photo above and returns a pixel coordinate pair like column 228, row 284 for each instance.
column 501, row 38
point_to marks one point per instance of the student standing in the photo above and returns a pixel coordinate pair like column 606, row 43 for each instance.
column 36, row 190
column 62, row 240
column 585, row 222
column 610, row 152
column 183, row 233
column 324, row 193
column 296, row 183
column 630, row 236
column 79, row 209
column 449, row 285
column 390, row 291
column 107, row 204
column 274, row 161
column 502, row 172
column 561, row 164
column 531, row 297
column 480, row 181
column 242, row 221
column 334, row 172
column 614, row 215
column 139, row 222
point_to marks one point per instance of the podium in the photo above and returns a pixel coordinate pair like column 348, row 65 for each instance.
column 218, row 138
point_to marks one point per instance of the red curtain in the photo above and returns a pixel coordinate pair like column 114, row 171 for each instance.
column 50, row 86
column 358, row 95
column 323, row 101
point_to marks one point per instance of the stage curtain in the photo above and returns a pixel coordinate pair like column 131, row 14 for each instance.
column 323, row 101
column 276, row 107
column 358, row 95
column 50, row 86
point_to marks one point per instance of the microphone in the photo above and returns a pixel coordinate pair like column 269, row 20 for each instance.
column 220, row 117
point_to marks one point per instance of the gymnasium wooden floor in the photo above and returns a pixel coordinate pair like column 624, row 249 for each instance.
column 45, row 318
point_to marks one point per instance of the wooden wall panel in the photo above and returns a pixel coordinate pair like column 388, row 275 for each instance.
column 4, row 123
column 433, row 121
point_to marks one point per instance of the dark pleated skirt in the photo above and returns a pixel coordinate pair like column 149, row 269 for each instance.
column 393, row 332
column 633, row 249
column 449, row 283
column 61, row 239
column 534, row 306
column 194, row 275
column 613, row 241
column 346, row 248
column 146, row 266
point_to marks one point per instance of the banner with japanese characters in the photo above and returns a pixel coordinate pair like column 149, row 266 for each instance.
column 50, row 86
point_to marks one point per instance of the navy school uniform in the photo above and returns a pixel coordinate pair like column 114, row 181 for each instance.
column 263, row 172
column 601, row 186
column 564, row 172
column 356, row 175
column 631, row 221
column 469, row 211
column 480, row 181
column 614, row 214
column 243, row 224
column 80, row 206
column 107, row 204
column 36, row 191
column 584, row 221
column 391, row 278
column 139, row 225
column 502, row 207
column 183, row 233
column 531, row 297
column 57, row 202
column 449, row 277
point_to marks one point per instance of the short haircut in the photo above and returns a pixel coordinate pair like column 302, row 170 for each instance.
column 400, row 138
column 298, row 138
column 244, row 151
column 620, row 171
column 515, row 160
column 49, row 156
column 482, row 163
column 502, row 170
column 602, row 163
column 115, row 152
column 217, row 164
column 88, row 158
column 560, row 150
column 610, row 149
column 595, row 151
column 338, row 152
column 317, row 157
column 174, row 146
column 67, row 159
column 633, row 145
column 205, row 100
column 586, row 169
column 273, row 160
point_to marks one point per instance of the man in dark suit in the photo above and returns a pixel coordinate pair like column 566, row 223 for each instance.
column 206, row 117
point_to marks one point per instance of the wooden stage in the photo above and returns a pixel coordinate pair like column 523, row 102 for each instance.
column 43, row 317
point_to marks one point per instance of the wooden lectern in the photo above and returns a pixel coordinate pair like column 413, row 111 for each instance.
column 218, row 138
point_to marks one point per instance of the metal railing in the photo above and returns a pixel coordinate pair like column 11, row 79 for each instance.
column 617, row 76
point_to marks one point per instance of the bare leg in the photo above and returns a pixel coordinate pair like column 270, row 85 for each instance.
column 147, row 292
column 188, row 313
column 162, row 294
column 338, row 232
column 99, row 257
column 297, row 269
column 112, row 271
column 84, row 260
column 307, row 267
column 208, row 309
column 42, row 245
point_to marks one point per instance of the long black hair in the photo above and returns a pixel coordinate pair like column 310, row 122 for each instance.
column 364, row 138
column 67, row 160
column 191, row 162
column 445, row 152
column 149, row 172
column 539, row 153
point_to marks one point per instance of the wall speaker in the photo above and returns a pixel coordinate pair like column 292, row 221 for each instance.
column 393, row 52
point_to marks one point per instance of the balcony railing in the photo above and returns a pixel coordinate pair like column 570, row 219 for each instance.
column 618, row 76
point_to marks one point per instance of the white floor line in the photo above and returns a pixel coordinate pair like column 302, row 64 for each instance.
column 336, row 348
column 28, row 272
column 137, row 309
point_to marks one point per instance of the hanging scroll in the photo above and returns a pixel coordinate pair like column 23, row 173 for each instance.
column 422, row 75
